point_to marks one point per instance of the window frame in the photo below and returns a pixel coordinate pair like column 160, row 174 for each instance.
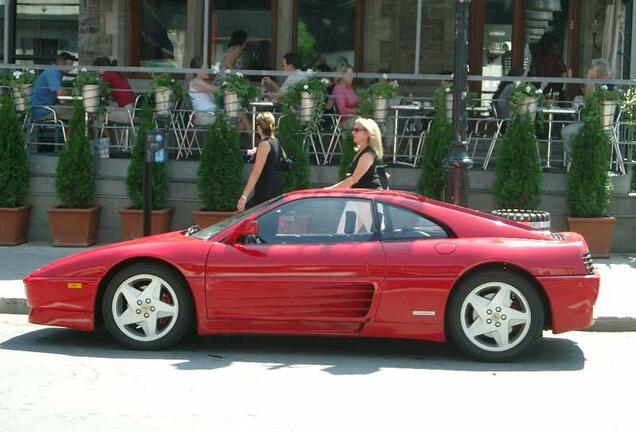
column 358, row 32
column 374, row 216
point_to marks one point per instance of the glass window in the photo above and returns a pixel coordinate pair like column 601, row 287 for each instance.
column 397, row 223
column 326, row 32
column 318, row 220
column 162, row 32
column 253, row 17
column 44, row 28
column 497, row 58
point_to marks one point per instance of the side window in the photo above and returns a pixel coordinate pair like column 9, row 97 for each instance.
column 397, row 223
column 318, row 220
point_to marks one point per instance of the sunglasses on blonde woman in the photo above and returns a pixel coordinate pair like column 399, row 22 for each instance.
column 355, row 129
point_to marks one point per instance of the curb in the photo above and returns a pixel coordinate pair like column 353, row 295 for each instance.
column 18, row 306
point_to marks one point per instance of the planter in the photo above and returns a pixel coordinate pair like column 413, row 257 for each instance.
column 449, row 107
column 22, row 97
column 380, row 110
column 132, row 222
column 14, row 225
column 74, row 227
column 598, row 233
column 163, row 95
column 608, row 109
column 91, row 98
column 232, row 105
column 529, row 106
column 207, row 218
column 307, row 104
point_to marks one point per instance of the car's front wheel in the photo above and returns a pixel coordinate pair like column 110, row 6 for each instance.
column 147, row 307
column 495, row 315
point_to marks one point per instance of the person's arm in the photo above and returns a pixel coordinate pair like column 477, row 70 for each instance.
column 588, row 89
column 365, row 162
column 54, row 83
column 272, row 89
column 230, row 59
column 259, row 163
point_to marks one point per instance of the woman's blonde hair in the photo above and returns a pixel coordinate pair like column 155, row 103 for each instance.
column 342, row 69
column 267, row 122
column 375, row 136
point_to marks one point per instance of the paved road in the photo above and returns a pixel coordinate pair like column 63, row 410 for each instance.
column 60, row 380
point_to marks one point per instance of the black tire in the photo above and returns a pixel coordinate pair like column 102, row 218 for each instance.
column 173, row 332
column 484, row 346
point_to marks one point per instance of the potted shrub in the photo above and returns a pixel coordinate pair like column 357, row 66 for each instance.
column 376, row 98
column 220, row 173
column 307, row 99
column 132, row 218
column 236, row 91
column 433, row 177
column 92, row 90
column 75, row 221
column 14, row 177
column 518, row 168
column 165, row 90
column 22, row 82
column 589, row 187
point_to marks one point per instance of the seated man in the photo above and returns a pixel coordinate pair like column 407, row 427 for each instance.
column 291, row 64
column 46, row 89
column 599, row 70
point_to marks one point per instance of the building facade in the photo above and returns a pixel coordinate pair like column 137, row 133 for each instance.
column 402, row 36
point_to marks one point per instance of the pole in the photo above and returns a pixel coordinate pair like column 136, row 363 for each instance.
column 206, row 33
column 7, row 13
column 418, row 36
column 147, row 195
column 458, row 162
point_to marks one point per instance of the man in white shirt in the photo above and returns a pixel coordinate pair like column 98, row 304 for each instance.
column 291, row 64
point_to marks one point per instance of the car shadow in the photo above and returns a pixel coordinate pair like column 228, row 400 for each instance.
column 337, row 356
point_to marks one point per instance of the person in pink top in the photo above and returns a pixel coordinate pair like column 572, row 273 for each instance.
column 345, row 97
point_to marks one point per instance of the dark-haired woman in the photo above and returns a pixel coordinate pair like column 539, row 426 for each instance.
column 233, row 58
column 266, row 178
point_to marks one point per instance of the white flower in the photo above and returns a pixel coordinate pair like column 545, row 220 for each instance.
column 224, row 84
column 306, row 87
column 385, row 76
column 528, row 89
column 310, row 72
column 604, row 87
column 394, row 84
column 228, row 72
column 239, row 74
column 447, row 89
column 325, row 81
column 517, row 83
column 539, row 91
column 17, row 74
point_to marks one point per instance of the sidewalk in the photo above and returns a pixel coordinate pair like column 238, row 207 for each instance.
column 615, row 309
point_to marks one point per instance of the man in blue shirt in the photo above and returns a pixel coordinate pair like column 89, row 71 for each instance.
column 47, row 87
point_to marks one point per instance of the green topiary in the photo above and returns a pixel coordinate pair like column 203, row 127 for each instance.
column 75, row 173
column 14, row 165
column 135, row 178
column 518, row 169
column 589, row 187
column 438, row 143
column 221, row 167
column 348, row 152
column 290, row 134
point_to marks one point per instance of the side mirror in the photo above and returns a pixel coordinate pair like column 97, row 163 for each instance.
column 246, row 229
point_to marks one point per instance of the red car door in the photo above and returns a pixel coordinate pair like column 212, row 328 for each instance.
column 316, row 267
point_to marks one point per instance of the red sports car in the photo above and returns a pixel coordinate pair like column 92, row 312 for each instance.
column 320, row 262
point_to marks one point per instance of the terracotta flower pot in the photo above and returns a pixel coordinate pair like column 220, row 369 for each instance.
column 74, row 227
column 14, row 225
column 598, row 233
column 132, row 222
column 207, row 218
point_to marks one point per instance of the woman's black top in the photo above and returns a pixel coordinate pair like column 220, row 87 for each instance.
column 370, row 179
column 270, row 183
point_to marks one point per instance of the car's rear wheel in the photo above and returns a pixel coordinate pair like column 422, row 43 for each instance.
column 147, row 307
column 495, row 315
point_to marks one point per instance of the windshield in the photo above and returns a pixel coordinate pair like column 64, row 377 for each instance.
column 212, row 230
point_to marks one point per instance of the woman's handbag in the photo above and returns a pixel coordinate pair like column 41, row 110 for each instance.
column 383, row 176
column 285, row 163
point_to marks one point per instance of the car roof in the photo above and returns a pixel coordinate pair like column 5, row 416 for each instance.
column 362, row 193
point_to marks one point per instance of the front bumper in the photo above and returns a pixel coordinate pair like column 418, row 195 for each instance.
column 571, row 300
column 62, row 302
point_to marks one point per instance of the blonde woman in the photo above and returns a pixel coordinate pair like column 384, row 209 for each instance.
column 362, row 171
column 266, row 178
